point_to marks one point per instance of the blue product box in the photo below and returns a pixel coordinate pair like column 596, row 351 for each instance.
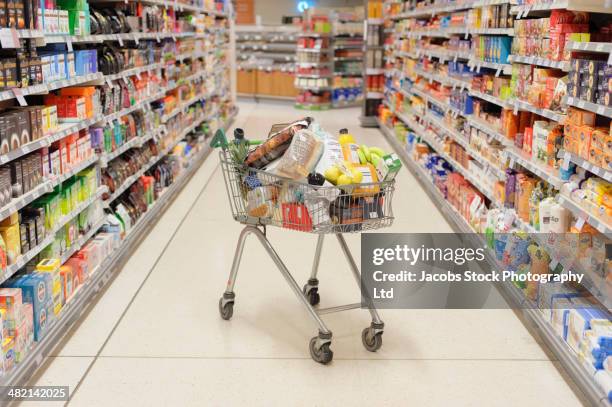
column 36, row 289
column 505, row 49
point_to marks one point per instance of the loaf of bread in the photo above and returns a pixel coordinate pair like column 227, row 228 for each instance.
column 275, row 145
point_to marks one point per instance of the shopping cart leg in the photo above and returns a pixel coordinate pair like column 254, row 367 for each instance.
column 319, row 345
column 226, row 303
column 311, row 289
column 372, row 335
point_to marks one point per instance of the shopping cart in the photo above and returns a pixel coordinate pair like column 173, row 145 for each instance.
column 303, row 207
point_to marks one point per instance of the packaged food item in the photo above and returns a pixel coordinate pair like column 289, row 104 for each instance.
column 301, row 156
column 260, row 201
column 388, row 167
column 52, row 267
column 275, row 145
column 349, row 148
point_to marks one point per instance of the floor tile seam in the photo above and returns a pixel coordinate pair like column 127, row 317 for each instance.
column 153, row 267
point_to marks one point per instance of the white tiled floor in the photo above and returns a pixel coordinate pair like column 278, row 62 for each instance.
column 155, row 338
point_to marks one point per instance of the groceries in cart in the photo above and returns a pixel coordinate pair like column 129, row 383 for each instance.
column 304, row 178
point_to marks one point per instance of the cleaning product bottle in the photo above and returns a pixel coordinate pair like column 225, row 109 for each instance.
column 559, row 218
column 350, row 150
column 545, row 210
column 534, row 205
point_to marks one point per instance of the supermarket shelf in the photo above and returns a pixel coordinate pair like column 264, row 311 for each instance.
column 374, row 71
column 485, row 3
column 53, row 38
column 375, row 21
column 581, row 213
column 374, row 95
column 488, row 130
column 476, row 64
column 63, row 130
column 133, row 178
column 492, row 99
column 314, row 88
column 172, row 4
column 76, row 246
column 546, row 173
column 433, row 10
column 50, row 235
column 313, row 76
column 549, row 114
column 313, row 34
column 443, row 55
column 601, row 47
column 492, row 31
column 313, row 50
column 313, row 64
column 539, row 61
column 133, row 143
column 184, row 105
column 25, row 199
column 74, row 309
column 264, row 96
column 533, row 319
column 599, row 171
column 46, row 87
column 592, row 6
column 592, row 107
column 135, row 71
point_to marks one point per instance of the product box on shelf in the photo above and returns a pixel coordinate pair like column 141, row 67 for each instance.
column 36, row 290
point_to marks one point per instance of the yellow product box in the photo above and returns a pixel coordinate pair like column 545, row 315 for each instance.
column 369, row 177
column 12, row 241
column 52, row 266
column 8, row 354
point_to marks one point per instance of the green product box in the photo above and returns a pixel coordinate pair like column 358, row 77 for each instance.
column 388, row 167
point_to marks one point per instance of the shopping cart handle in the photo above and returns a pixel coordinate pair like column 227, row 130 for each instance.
column 219, row 140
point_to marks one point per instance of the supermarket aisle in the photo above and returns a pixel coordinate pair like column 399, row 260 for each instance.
column 155, row 337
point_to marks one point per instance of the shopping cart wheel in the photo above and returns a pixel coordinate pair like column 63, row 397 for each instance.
column 322, row 354
column 371, row 339
column 226, row 308
column 312, row 293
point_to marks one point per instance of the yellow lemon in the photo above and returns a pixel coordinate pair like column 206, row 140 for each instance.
column 331, row 174
column 344, row 180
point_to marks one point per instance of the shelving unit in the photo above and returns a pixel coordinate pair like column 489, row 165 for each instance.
column 418, row 80
column 88, row 292
column 212, row 86
column 267, row 61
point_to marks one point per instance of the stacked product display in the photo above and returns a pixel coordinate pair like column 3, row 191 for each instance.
column 315, row 64
column 330, row 60
column 503, row 113
column 348, row 57
column 105, row 117
column 267, row 56
column 373, row 72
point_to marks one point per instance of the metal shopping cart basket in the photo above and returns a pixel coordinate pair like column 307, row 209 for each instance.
column 259, row 199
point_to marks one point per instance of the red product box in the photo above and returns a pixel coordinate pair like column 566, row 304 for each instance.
column 71, row 148
column 296, row 216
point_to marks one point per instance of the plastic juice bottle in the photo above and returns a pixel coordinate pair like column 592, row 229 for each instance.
column 349, row 147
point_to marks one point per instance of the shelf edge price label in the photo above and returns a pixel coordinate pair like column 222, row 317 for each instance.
column 20, row 98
